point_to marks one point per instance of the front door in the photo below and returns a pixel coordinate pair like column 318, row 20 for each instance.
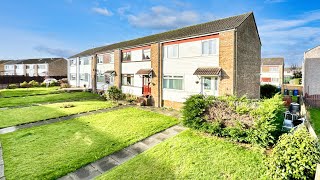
column 210, row 86
column 146, row 88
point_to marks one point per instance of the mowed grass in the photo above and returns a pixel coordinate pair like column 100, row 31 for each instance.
column 28, row 91
column 28, row 100
column 51, row 151
column 315, row 119
column 190, row 155
column 11, row 117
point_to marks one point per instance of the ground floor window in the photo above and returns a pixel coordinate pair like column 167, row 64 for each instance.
column 72, row 77
column 127, row 79
column 173, row 82
column 84, row 77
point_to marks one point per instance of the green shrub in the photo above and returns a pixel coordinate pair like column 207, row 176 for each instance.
column 268, row 91
column 295, row 156
column 64, row 85
column 43, row 84
column 268, row 121
column 193, row 110
column 130, row 98
column 54, row 83
column 33, row 83
column 24, row 85
column 114, row 93
column 237, row 118
column 12, row 86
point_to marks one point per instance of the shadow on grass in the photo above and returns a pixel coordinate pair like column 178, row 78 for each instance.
column 51, row 151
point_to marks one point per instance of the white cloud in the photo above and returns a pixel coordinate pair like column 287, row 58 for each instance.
column 122, row 10
column 102, row 11
column 290, row 37
column 161, row 17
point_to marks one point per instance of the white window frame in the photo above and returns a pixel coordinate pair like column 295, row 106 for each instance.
column 213, row 48
column 172, row 46
column 274, row 69
column 275, row 80
column 100, row 59
column 73, row 62
column 73, row 75
column 173, row 77
column 112, row 58
column 86, row 77
column 126, row 75
column 143, row 56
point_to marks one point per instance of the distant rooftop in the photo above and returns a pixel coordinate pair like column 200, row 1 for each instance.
column 33, row 61
column 272, row 61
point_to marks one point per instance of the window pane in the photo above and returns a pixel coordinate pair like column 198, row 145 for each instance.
column 207, row 83
column 146, row 54
column 205, row 47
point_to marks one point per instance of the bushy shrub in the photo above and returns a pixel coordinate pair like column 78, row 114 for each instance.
column 12, row 86
column 130, row 98
column 268, row 121
column 33, row 83
column 268, row 91
column 193, row 110
column 43, row 84
column 67, row 105
column 54, row 83
column 24, row 85
column 295, row 156
column 64, row 85
column 114, row 93
column 237, row 118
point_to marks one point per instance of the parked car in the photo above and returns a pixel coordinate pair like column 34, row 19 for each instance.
column 50, row 80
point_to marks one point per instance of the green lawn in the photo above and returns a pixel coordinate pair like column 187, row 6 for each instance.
column 28, row 91
column 11, row 117
column 315, row 119
column 27, row 100
column 190, row 155
column 51, row 151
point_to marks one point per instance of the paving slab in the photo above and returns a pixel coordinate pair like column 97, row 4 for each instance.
column 137, row 148
column 122, row 156
column 105, row 164
column 87, row 172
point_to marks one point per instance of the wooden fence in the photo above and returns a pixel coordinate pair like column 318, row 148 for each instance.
column 312, row 100
column 9, row 79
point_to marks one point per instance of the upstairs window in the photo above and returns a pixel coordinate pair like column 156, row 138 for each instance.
column 73, row 62
column 27, row 66
column 41, row 66
column 273, row 69
column 111, row 58
column 126, row 56
column 146, row 54
column 209, row 47
column 127, row 79
column 173, row 51
column 100, row 59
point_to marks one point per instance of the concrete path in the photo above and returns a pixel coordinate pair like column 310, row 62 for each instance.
column 105, row 164
column 53, row 120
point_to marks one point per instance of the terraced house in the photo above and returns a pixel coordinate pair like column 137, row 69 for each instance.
column 214, row 58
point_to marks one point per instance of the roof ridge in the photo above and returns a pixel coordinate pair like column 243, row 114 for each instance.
column 156, row 37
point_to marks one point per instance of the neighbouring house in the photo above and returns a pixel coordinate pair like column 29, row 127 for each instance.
column 2, row 62
column 289, row 73
column 220, row 57
column 311, row 72
column 37, row 67
column 272, row 71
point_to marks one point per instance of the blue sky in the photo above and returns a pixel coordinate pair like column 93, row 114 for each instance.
column 43, row 28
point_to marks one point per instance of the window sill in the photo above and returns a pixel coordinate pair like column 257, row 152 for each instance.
column 179, row 90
